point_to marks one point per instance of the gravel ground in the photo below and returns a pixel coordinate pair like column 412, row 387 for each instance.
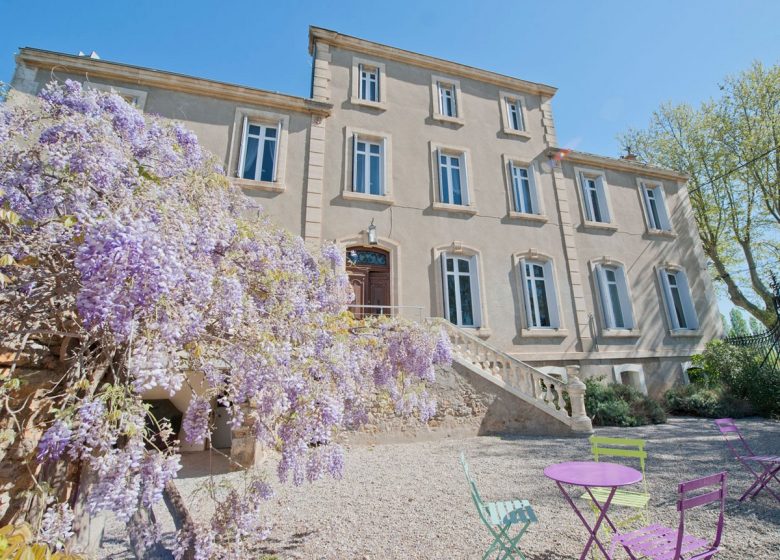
column 410, row 500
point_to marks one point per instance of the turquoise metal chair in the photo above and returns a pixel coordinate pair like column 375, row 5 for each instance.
column 499, row 517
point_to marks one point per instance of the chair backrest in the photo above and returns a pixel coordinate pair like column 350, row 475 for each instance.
column 620, row 447
column 686, row 502
column 473, row 488
column 733, row 437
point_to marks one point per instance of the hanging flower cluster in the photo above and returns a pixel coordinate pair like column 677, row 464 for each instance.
column 121, row 234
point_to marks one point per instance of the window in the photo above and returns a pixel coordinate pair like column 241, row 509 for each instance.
column 368, row 166
column 655, row 207
column 369, row 83
column 259, row 152
column 132, row 96
column 514, row 112
column 447, row 103
column 524, row 194
column 461, row 290
column 615, row 301
column 594, row 198
column 541, row 308
column 452, row 183
column 679, row 304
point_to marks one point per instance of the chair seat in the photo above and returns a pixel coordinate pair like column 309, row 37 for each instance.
column 510, row 512
column 659, row 542
column 621, row 498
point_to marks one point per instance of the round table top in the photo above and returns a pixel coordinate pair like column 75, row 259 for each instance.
column 591, row 473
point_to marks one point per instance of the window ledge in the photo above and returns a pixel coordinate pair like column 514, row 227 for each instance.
column 605, row 226
column 378, row 198
column 544, row 333
column 682, row 333
column 378, row 105
column 455, row 208
column 518, row 133
column 620, row 333
column 450, row 120
column 530, row 217
column 662, row 233
column 253, row 185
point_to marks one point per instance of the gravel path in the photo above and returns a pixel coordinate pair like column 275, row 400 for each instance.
column 410, row 500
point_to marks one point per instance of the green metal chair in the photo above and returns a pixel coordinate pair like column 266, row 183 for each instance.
column 637, row 501
column 498, row 517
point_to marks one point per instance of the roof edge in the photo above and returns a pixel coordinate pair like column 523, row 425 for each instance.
column 336, row 39
column 38, row 58
column 617, row 164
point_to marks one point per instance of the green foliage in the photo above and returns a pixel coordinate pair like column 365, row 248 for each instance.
column 739, row 326
column 755, row 326
column 620, row 405
column 697, row 400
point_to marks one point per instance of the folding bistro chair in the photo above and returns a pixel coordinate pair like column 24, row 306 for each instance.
column 637, row 501
column 664, row 543
column 498, row 517
column 770, row 465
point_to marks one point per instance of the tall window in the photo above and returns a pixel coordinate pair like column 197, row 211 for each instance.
column 595, row 198
column 655, row 208
column 615, row 303
column 461, row 290
column 259, row 151
column 514, row 114
column 447, row 102
column 540, row 306
column 369, row 83
column 678, row 300
column 368, row 166
column 524, row 189
column 452, row 179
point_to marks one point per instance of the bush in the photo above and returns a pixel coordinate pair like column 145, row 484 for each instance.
column 696, row 400
column 620, row 405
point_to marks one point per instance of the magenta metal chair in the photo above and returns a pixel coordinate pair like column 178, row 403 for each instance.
column 770, row 465
column 664, row 543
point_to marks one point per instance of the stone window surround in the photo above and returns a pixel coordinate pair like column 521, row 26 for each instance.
column 642, row 183
column 466, row 179
column 506, row 128
column 138, row 94
column 681, row 333
column 619, row 370
column 436, row 113
column 264, row 117
column 526, row 331
column 506, row 160
column 459, row 249
column 586, row 223
column 354, row 94
column 606, row 332
column 387, row 165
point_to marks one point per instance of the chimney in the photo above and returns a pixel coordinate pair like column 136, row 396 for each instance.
column 629, row 156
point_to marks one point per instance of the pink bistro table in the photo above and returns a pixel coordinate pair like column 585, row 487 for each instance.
column 591, row 474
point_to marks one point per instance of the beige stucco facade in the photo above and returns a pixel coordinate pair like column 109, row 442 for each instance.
column 313, row 195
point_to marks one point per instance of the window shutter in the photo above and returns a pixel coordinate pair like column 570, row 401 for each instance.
column 534, row 189
column 278, row 150
column 242, row 152
column 552, row 300
column 354, row 163
column 437, row 155
column 378, row 85
column 465, row 188
column 585, row 198
column 602, row 197
column 668, row 297
column 648, row 211
column 445, row 293
column 476, row 299
column 383, row 166
column 662, row 211
column 625, row 302
column 526, row 294
column 687, row 299
column 606, row 308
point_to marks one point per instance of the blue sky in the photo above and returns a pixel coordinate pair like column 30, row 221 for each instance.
column 614, row 61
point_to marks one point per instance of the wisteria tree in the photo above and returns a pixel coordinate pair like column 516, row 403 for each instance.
column 123, row 246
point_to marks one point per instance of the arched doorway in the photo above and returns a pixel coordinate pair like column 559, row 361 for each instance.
column 369, row 275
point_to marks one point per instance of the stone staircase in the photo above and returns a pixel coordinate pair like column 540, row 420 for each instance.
column 542, row 391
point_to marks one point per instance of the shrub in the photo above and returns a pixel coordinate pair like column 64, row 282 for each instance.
column 620, row 405
column 696, row 400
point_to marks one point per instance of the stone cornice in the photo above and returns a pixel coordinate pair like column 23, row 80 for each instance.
column 605, row 162
column 93, row 68
column 335, row 39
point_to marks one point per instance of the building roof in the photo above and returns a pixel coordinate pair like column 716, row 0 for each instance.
column 336, row 39
column 96, row 68
column 618, row 164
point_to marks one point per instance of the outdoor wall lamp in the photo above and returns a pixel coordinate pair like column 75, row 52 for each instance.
column 372, row 234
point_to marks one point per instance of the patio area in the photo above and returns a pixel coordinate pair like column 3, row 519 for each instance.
column 411, row 500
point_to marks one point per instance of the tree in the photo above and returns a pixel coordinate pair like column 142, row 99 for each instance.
column 739, row 326
column 755, row 326
column 729, row 148
column 124, row 247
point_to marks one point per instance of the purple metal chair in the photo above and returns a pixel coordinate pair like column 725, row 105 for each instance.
column 664, row 543
column 742, row 453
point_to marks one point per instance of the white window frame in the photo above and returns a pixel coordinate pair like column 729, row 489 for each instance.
column 664, row 224
column 261, row 139
column 535, row 179
column 505, row 99
column 447, row 169
column 384, row 139
column 467, row 205
column 437, row 111
column 690, row 316
column 605, row 297
column 368, row 76
column 529, row 297
column 602, row 197
column 357, row 139
column 355, row 94
column 245, row 116
column 474, row 286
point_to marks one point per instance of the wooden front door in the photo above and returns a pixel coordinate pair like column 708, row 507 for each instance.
column 369, row 275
